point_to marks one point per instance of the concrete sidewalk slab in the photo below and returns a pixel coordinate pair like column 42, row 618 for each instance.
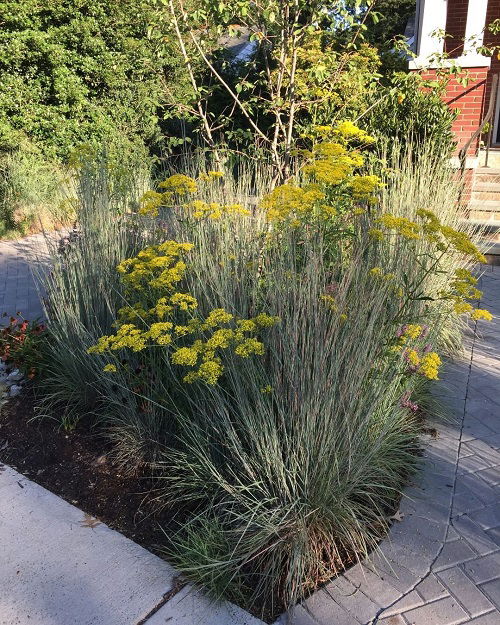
column 58, row 566
column 57, row 570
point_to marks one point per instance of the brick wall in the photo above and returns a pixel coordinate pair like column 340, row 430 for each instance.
column 455, row 27
column 469, row 101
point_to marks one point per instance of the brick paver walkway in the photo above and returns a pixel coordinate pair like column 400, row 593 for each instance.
column 439, row 566
column 18, row 292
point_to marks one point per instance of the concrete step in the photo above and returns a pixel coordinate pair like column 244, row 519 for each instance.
column 485, row 196
column 493, row 158
column 489, row 229
column 487, row 187
column 489, row 247
column 487, row 225
column 484, row 215
column 485, row 205
column 488, row 170
column 487, row 175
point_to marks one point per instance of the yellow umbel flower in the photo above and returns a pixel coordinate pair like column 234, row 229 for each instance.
column 403, row 226
column 364, row 186
column 429, row 365
column 412, row 356
column 480, row 313
column 349, row 131
column 288, row 201
column 376, row 234
column 413, row 331
column 184, row 301
column 461, row 307
column 187, row 356
column 179, row 184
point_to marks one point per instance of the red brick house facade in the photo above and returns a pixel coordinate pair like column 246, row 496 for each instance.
column 466, row 24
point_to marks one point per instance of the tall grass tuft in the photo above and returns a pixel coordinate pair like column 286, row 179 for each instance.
column 31, row 193
column 83, row 292
column 285, row 472
column 290, row 467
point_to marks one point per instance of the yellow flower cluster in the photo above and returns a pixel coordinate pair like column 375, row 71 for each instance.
column 364, row 187
column 210, row 175
column 214, row 210
column 289, row 201
column 481, row 313
column 176, row 185
column 401, row 225
column 463, row 287
column 331, row 163
column 442, row 234
column 350, row 131
column 376, row 234
column 179, row 184
column 413, row 331
column 376, row 272
column 412, row 357
column 157, row 266
column 204, row 354
column 429, row 365
column 151, row 201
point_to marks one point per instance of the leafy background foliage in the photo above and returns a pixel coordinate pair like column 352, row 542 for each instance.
column 75, row 70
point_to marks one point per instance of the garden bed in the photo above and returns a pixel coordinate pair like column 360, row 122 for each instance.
column 269, row 368
column 74, row 466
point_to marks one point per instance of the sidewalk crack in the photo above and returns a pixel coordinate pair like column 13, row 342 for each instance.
column 178, row 585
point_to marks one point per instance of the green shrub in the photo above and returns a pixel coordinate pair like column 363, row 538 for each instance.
column 75, row 70
column 409, row 110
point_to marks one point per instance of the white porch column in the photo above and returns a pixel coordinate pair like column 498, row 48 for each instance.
column 476, row 22
column 432, row 18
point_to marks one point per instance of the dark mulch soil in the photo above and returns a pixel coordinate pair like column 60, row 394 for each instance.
column 75, row 466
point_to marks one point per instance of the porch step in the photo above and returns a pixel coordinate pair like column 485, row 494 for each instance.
column 488, row 225
column 485, row 205
column 485, row 196
column 487, row 175
column 489, row 230
column 487, row 187
column 488, row 170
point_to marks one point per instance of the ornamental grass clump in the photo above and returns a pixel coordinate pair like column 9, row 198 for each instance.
column 273, row 362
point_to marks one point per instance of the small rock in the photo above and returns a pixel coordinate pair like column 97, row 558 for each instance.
column 15, row 389
column 15, row 376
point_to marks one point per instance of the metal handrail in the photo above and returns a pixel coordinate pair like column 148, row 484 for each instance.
column 462, row 155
